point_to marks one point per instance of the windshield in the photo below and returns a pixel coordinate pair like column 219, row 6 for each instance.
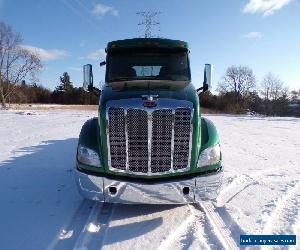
column 130, row 65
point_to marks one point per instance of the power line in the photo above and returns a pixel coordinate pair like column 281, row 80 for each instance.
column 148, row 21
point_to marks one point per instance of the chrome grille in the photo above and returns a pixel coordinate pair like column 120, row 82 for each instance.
column 149, row 141
column 137, row 127
column 161, row 149
column 182, row 125
column 117, row 138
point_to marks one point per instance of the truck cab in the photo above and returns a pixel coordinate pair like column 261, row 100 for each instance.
column 149, row 143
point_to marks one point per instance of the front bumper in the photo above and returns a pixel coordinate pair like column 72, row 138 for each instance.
column 178, row 191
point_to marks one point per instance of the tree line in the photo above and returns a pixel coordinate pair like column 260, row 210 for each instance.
column 240, row 92
column 64, row 93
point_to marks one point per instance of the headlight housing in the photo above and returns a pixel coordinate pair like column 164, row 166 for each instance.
column 88, row 156
column 209, row 156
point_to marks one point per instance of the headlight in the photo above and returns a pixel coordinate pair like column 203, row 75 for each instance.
column 88, row 156
column 210, row 156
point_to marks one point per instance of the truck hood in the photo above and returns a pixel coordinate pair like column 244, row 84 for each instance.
column 180, row 90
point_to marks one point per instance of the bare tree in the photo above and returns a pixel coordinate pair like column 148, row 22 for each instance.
column 275, row 95
column 16, row 63
column 295, row 95
column 272, row 87
column 238, row 79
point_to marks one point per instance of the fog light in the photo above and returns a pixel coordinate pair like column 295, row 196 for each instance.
column 112, row 190
column 186, row 190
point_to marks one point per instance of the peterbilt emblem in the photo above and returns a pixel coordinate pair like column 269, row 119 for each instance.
column 149, row 100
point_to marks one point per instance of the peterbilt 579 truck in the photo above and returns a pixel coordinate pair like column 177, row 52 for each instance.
column 149, row 143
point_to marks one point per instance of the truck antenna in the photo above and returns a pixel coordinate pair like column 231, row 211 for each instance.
column 148, row 21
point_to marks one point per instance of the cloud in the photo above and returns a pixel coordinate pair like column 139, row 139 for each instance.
column 47, row 54
column 101, row 10
column 100, row 53
column 252, row 35
column 267, row 7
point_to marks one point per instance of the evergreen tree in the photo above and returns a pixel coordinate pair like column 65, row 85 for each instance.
column 65, row 83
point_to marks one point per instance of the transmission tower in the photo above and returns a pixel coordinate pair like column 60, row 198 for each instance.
column 148, row 21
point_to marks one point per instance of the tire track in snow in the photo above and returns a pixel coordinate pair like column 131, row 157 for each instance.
column 218, row 227
column 284, row 218
column 67, row 236
column 239, row 184
column 94, row 232
column 184, row 236
column 204, row 228
column 175, row 237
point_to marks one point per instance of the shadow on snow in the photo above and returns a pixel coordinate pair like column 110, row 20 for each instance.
column 37, row 194
column 39, row 200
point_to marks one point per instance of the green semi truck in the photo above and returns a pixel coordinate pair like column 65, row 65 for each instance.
column 149, row 143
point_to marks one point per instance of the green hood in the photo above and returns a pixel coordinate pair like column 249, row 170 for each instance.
column 180, row 90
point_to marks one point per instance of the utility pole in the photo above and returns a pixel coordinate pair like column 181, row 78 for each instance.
column 148, row 21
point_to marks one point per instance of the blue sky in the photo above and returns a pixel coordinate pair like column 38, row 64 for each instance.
column 263, row 34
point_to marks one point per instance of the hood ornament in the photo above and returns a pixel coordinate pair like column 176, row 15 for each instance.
column 150, row 101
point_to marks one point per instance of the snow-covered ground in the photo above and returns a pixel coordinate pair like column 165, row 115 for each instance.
column 40, row 207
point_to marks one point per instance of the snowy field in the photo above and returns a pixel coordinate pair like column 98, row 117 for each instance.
column 40, row 207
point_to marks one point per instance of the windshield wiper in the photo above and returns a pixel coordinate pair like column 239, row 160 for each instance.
column 169, row 78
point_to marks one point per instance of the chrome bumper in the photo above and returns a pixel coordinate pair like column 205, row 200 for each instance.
column 177, row 191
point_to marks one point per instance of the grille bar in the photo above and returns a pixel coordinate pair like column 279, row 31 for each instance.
column 161, row 140
column 137, row 125
column 153, row 142
column 182, row 128
column 117, row 138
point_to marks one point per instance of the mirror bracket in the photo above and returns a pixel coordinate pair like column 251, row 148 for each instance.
column 96, row 91
column 199, row 90
column 202, row 90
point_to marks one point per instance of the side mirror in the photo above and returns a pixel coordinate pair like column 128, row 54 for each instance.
column 102, row 63
column 88, row 77
column 208, row 71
